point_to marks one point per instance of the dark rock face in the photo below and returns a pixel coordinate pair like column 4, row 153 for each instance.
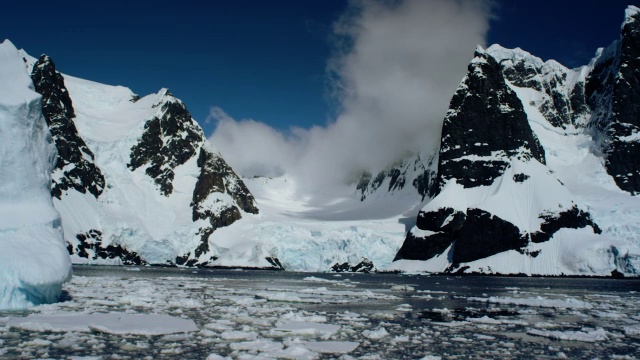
column 483, row 235
column 485, row 118
column 561, row 105
column 418, row 171
column 435, row 220
column 275, row 262
column 486, row 129
column 613, row 90
column 479, row 234
column 92, row 240
column 423, row 248
column 573, row 218
column 167, row 142
column 520, row 177
column 364, row 266
column 216, row 176
column 74, row 165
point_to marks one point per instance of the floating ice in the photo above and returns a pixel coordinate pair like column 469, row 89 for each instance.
column 568, row 303
column 305, row 328
column 331, row 347
column 591, row 336
column 376, row 334
column 113, row 323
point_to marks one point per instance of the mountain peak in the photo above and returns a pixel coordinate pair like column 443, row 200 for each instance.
column 8, row 44
column 631, row 14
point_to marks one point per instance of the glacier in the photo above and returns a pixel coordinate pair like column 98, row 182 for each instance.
column 34, row 262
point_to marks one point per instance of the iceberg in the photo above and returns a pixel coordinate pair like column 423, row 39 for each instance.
column 34, row 262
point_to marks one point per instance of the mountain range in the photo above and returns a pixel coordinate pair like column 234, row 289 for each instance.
column 537, row 172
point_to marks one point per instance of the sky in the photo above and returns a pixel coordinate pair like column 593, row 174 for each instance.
column 321, row 89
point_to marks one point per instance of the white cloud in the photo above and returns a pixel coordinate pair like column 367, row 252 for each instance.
column 396, row 67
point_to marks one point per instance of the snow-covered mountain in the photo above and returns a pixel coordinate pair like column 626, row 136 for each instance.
column 538, row 167
column 33, row 260
column 134, row 180
column 536, row 173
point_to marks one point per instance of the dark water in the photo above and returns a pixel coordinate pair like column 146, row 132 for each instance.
column 438, row 316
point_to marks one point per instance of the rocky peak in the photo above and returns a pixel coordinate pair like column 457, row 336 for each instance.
column 561, row 97
column 169, row 139
column 484, row 126
column 74, row 165
column 612, row 90
column 418, row 172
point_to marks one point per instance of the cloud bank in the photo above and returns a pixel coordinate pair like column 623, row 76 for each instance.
column 395, row 68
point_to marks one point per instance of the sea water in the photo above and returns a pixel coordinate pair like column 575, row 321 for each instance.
column 253, row 314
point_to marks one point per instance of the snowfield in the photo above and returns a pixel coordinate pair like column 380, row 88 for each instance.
column 165, row 313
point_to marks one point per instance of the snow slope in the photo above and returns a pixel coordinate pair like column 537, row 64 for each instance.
column 151, row 189
column 34, row 262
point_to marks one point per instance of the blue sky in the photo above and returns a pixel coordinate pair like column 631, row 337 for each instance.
column 258, row 59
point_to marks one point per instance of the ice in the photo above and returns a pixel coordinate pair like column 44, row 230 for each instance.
column 536, row 302
column 402, row 288
column 232, row 324
column 258, row 346
column 238, row 335
column 34, row 262
column 112, row 323
column 331, row 347
column 376, row 334
column 345, row 283
column 586, row 336
column 304, row 328
column 286, row 297
column 632, row 330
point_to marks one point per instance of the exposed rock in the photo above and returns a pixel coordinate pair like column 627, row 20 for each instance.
column 364, row 266
column 520, row 177
column 90, row 247
column 612, row 89
column 419, row 171
column 485, row 119
column 74, row 165
column 485, row 132
column 217, row 176
column 275, row 263
column 573, row 218
column 169, row 140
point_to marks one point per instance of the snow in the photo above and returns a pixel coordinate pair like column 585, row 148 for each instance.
column 310, row 232
column 306, row 237
column 568, row 151
column 131, row 212
column 304, row 234
column 629, row 14
column 34, row 262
